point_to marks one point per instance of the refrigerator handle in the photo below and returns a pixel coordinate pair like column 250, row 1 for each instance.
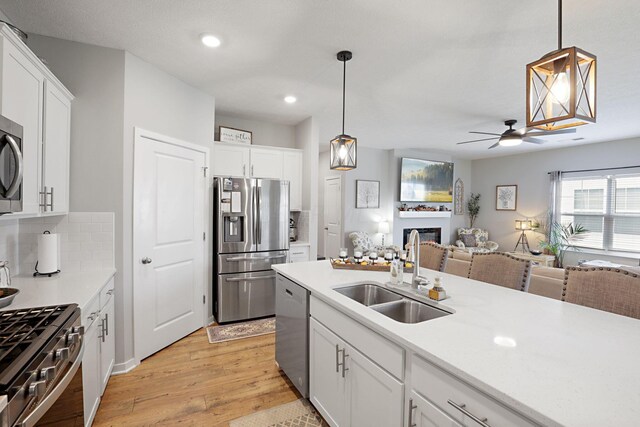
column 258, row 218
column 254, row 208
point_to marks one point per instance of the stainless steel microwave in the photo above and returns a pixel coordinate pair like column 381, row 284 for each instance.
column 11, row 166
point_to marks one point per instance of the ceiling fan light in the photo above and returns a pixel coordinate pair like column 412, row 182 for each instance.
column 510, row 140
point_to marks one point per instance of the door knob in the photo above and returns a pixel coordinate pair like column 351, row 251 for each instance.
column 146, row 260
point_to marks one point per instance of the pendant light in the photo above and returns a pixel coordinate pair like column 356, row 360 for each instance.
column 344, row 148
column 561, row 87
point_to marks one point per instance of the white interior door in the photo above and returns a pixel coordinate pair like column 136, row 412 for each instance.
column 170, row 204
column 332, row 216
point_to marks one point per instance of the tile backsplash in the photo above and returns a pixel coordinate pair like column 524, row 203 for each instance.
column 9, row 243
column 86, row 240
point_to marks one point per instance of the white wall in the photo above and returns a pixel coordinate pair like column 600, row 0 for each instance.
column 263, row 133
column 95, row 75
column 529, row 172
column 307, row 139
column 161, row 103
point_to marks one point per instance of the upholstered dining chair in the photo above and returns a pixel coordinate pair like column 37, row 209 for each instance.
column 433, row 256
column 501, row 269
column 609, row 289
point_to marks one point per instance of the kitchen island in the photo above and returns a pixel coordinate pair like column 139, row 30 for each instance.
column 507, row 356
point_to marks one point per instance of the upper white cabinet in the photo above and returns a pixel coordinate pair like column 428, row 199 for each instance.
column 33, row 97
column 245, row 161
column 55, row 160
column 292, row 172
column 22, row 98
column 231, row 160
column 266, row 163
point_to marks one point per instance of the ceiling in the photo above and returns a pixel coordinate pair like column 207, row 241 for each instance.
column 423, row 73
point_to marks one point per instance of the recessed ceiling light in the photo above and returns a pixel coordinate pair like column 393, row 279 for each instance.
column 210, row 40
column 290, row 99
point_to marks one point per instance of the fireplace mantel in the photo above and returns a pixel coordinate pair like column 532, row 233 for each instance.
column 424, row 214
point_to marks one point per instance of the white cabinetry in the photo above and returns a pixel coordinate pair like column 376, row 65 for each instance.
column 231, row 160
column 99, row 353
column 22, row 97
column 266, row 163
column 298, row 253
column 33, row 97
column 55, row 160
column 459, row 401
column 292, row 172
column 347, row 387
column 423, row 413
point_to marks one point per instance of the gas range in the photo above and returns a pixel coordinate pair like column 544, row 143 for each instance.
column 40, row 351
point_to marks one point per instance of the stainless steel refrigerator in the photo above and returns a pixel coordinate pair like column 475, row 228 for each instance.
column 251, row 222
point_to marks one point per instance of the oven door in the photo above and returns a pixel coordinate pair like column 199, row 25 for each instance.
column 64, row 404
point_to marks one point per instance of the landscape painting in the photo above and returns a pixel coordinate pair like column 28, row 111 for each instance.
column 426, row 181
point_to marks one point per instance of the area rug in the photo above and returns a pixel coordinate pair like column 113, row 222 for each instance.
column 236, row 331
column 298, row 413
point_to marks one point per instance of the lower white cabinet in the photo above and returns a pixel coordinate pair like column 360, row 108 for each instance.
column 346, row 387
column 423, row 413
column 99, row 349
column 298, row 253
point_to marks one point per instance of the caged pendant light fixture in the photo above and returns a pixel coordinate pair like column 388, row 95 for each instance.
column 344, row 148
column 561, row 87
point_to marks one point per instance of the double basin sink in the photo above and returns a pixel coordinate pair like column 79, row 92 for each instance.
column 391, row 304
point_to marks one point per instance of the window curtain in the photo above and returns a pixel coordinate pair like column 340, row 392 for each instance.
column 555, row 195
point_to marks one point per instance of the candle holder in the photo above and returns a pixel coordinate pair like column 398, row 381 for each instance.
column 373, row 256
column 357, row 256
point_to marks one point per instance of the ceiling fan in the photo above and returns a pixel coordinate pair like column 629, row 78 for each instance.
column 512, row 137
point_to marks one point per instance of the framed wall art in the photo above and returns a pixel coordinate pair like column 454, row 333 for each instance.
column 506, row 197
column 228, row 134
column 367, row 194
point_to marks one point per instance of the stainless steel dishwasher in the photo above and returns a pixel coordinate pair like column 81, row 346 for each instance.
column 292, row 332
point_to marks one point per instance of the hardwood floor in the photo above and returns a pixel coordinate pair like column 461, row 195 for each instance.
column 194, row 383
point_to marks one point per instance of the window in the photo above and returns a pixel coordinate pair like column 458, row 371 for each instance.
column 607, row 206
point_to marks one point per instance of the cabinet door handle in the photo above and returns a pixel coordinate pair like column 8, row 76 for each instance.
column 244, row 170
column 50, row 204
column 251, row 170
column 101, row 336
column 344, row 360
column 461, row 407
column 337, row 358
column 411, row 408
column 106, row 323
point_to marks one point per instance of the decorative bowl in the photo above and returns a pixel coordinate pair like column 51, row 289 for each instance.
column 7, row 295
column 535, row 252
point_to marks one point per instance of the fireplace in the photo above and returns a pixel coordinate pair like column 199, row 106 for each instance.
column 426, row 235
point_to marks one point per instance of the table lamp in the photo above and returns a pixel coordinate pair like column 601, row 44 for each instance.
column 383, row 228
column 523, row 225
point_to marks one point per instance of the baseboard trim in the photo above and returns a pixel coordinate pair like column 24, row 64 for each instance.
column 210, row 321
column 123, row 368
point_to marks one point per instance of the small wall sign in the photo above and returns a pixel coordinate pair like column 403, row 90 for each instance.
column 228, row 134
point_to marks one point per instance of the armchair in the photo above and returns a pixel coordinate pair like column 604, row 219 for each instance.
column 363, row 242
column 475, row 240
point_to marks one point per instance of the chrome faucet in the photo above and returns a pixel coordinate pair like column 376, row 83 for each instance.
column 414, row 244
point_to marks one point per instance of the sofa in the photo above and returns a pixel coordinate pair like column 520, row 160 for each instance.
column 475, row 240
column 545, row 281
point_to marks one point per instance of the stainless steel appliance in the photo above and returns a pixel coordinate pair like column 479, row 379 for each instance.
column 11, row 166
column 292, row 332
column 251, row 221
column 40, row 366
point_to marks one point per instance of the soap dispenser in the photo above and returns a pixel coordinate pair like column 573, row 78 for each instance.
column 437, row 292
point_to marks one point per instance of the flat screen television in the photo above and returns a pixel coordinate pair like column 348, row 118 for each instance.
column 426, row 181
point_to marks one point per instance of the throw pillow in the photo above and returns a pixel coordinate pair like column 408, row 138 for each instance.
column 361, row 240
column 469, row 240
column 482, row 236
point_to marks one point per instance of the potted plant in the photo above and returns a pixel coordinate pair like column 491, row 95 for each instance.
column 473, row 208
column 562, row 238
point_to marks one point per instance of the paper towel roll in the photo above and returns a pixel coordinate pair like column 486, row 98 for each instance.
column 47, row 253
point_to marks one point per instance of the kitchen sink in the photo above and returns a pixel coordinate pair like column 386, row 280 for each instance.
column 393, row 305
column 407, row 311
column 368, row 294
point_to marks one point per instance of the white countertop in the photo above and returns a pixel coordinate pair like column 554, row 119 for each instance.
column 570, row 365
column 62, row 288
column 299, row 243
